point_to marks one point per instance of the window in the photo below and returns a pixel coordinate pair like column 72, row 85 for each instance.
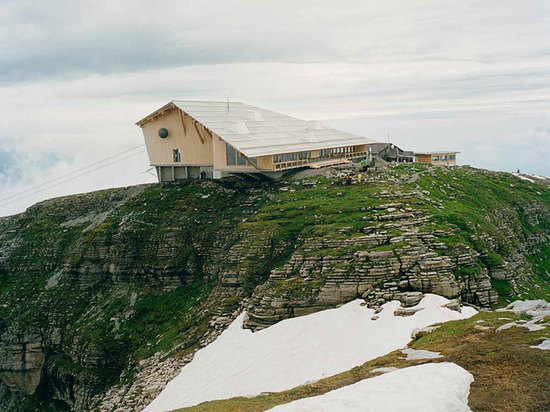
column 241, row 160
column 444, row 157
column 436, row 158
column 231, row 155
column 177, row 155
column 452, row 157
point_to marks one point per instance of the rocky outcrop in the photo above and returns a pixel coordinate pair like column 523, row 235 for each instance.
column 393, row 256
column 21, row 359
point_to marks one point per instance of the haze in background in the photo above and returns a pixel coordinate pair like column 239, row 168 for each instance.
column 472, row 76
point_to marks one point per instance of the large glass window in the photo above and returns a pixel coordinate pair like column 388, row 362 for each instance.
column 444, row 157
column 231, row 155
column 436, row 158
column 452, row 157
column 241, row 160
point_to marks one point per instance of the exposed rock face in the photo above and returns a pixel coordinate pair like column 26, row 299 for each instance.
column 21, row 360
column 393, row 258
column 79, row 273
column 105, row 296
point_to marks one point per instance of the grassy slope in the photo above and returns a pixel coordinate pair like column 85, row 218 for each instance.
column 469, row 202
column 509, row 375
column 474, row 201
column 126, row 321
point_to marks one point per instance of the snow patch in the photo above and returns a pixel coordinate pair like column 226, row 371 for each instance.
column 425, row 388
column 545, row 345
column 522, row 177
column 385, row 369
column 415, row 354
column 532, row 325
column 416, row 333
column 537, row 309
column 295, row 351
column 533, row 308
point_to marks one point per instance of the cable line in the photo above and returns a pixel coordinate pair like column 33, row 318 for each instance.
column 68, row 174
column 4, row 203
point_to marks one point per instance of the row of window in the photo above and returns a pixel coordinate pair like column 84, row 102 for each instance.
column 289, row 157
column 444, row 158
column 335, row 151
column 235, row 158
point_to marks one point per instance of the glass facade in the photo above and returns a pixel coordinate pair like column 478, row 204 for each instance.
column 235, row 158
column 230, row 155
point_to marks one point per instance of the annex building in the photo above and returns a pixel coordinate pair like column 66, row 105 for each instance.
column 437, row 158
column 206, row 139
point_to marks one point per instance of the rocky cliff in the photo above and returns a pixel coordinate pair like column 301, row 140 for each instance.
column 104, row 296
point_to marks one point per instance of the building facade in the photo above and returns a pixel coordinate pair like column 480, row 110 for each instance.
column 437, row 158
column 191, row 139
column 391, row 153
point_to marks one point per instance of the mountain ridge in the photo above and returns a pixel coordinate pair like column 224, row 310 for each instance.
column 108, row 294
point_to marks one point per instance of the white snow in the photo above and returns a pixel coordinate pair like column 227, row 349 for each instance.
column 422, row 331
column 385, row 369
column 545, row 345
column 433, row 387
column 532, row 325
column 295, row 351
column 533, row 308
column 537, row 309
column 416, row 354
column 523, row 177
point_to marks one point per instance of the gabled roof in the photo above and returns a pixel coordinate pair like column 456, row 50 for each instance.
column 258, row 132
column 382, row 147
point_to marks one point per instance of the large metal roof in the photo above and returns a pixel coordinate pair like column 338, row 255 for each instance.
column 258, row 132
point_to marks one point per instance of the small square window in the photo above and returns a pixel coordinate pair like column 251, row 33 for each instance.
column 452, row 157
column 436, row 158
column 444, row 157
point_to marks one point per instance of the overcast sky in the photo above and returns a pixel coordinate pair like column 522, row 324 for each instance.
column 467, row 75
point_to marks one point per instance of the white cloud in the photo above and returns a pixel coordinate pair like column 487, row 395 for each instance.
column 469, row 75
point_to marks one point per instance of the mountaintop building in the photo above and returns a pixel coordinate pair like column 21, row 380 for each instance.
column 204, row 139
column 391, row 153
column 440, row 158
